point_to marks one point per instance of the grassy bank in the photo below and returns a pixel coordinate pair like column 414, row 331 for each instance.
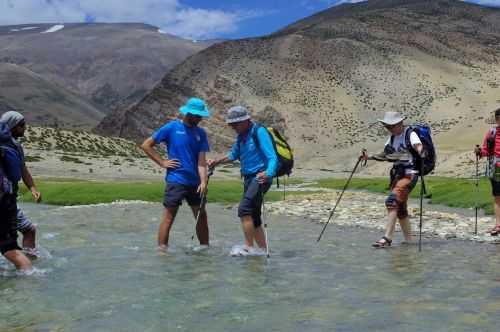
column 446, row 191
column 461, row 193
column 77, row 192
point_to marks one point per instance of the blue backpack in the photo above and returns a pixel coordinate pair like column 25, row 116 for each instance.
column 11, row 162
column 427, row 163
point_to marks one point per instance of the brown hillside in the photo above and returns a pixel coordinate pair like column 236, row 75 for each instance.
column 107, row 64
column 43, row 102
column 326, row 79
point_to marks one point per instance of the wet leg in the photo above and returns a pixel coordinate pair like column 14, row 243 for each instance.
column 202, row 225
column 248, row 230
column 20, row 260
column 165, row 226
column 260, row 237
column 406, row 228
column 29, row 238
column 497, row 210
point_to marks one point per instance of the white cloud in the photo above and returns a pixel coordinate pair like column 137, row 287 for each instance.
column 170, row 15
column 200, row 23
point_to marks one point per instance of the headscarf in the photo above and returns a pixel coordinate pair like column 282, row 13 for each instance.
column 11, row 118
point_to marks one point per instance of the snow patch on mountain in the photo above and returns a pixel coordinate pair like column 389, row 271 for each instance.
column 54, row 28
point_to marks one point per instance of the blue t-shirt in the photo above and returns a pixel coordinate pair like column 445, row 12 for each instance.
column 253, row 159
column 184, row 143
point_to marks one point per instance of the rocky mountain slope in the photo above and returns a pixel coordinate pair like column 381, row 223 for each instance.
column 107, row 64
column 326, row 79
column 79, row 154
column 43, row 102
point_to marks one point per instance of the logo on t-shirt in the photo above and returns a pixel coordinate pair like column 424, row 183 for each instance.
column 180, row 132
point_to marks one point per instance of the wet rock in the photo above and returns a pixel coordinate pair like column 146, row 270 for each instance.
column 368, row 210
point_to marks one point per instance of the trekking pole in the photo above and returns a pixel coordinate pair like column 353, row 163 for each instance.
column 477, row 189
column 340, row 197
column 265, row 224
column 284, row 188
column 202, row 203
column 422, row 188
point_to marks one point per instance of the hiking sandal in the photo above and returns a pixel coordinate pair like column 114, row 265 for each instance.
column 382, row 243
column 495, row 231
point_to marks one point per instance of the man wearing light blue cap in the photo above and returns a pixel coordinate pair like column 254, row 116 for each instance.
column 186, row 167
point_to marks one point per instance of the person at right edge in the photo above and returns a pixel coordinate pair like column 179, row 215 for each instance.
column 403, row 176
column 491, row 149
column 258, row 167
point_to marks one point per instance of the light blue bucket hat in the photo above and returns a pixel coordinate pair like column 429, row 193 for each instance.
column 195, row 106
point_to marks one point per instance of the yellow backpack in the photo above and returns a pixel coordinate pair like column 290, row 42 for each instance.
column 282, row 149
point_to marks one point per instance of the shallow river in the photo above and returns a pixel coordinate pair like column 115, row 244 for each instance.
column 100, row 272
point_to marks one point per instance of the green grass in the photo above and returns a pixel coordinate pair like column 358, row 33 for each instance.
column 453, row 192
column 78, row 192
column 446, row 191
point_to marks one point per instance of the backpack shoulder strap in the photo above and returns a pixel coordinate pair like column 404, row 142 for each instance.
column 408, row 131
column 254, row 133
column 493, row 132
column 490, row 140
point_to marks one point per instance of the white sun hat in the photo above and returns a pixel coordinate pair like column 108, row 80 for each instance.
column 391, row 118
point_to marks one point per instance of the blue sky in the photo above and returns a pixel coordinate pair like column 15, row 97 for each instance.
column 196, row 19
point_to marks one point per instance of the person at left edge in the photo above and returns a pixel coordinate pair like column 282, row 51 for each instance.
column 186, row 167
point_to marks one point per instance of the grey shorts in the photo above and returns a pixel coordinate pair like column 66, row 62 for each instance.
column 175, row 193
column 23, row 223
column 251, row 202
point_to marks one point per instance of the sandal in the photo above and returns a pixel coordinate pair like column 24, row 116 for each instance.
column 382, row 243
column 495, row 230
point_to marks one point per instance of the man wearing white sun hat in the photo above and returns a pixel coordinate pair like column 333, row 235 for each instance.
column 403, row 176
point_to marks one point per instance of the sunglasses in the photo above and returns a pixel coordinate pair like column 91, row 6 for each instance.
column 195, row 116
column 391, row 126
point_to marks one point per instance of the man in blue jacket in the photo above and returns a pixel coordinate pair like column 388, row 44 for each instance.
column 186, row 167
column 258, row 167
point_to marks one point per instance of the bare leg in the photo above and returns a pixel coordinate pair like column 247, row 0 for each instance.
column 165, row 225
column 497, row 210
column 260, row 238
column 202, row 225
column 248, row 230
column 390, row 227
column 20, row 260
column 29, row 238
column 406, row 228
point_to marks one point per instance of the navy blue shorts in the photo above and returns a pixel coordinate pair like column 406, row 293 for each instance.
column 495, row 188
column 8, row 217
column 251, row 202
column 176, row 192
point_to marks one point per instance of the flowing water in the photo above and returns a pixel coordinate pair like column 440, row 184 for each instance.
column 100, row 272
